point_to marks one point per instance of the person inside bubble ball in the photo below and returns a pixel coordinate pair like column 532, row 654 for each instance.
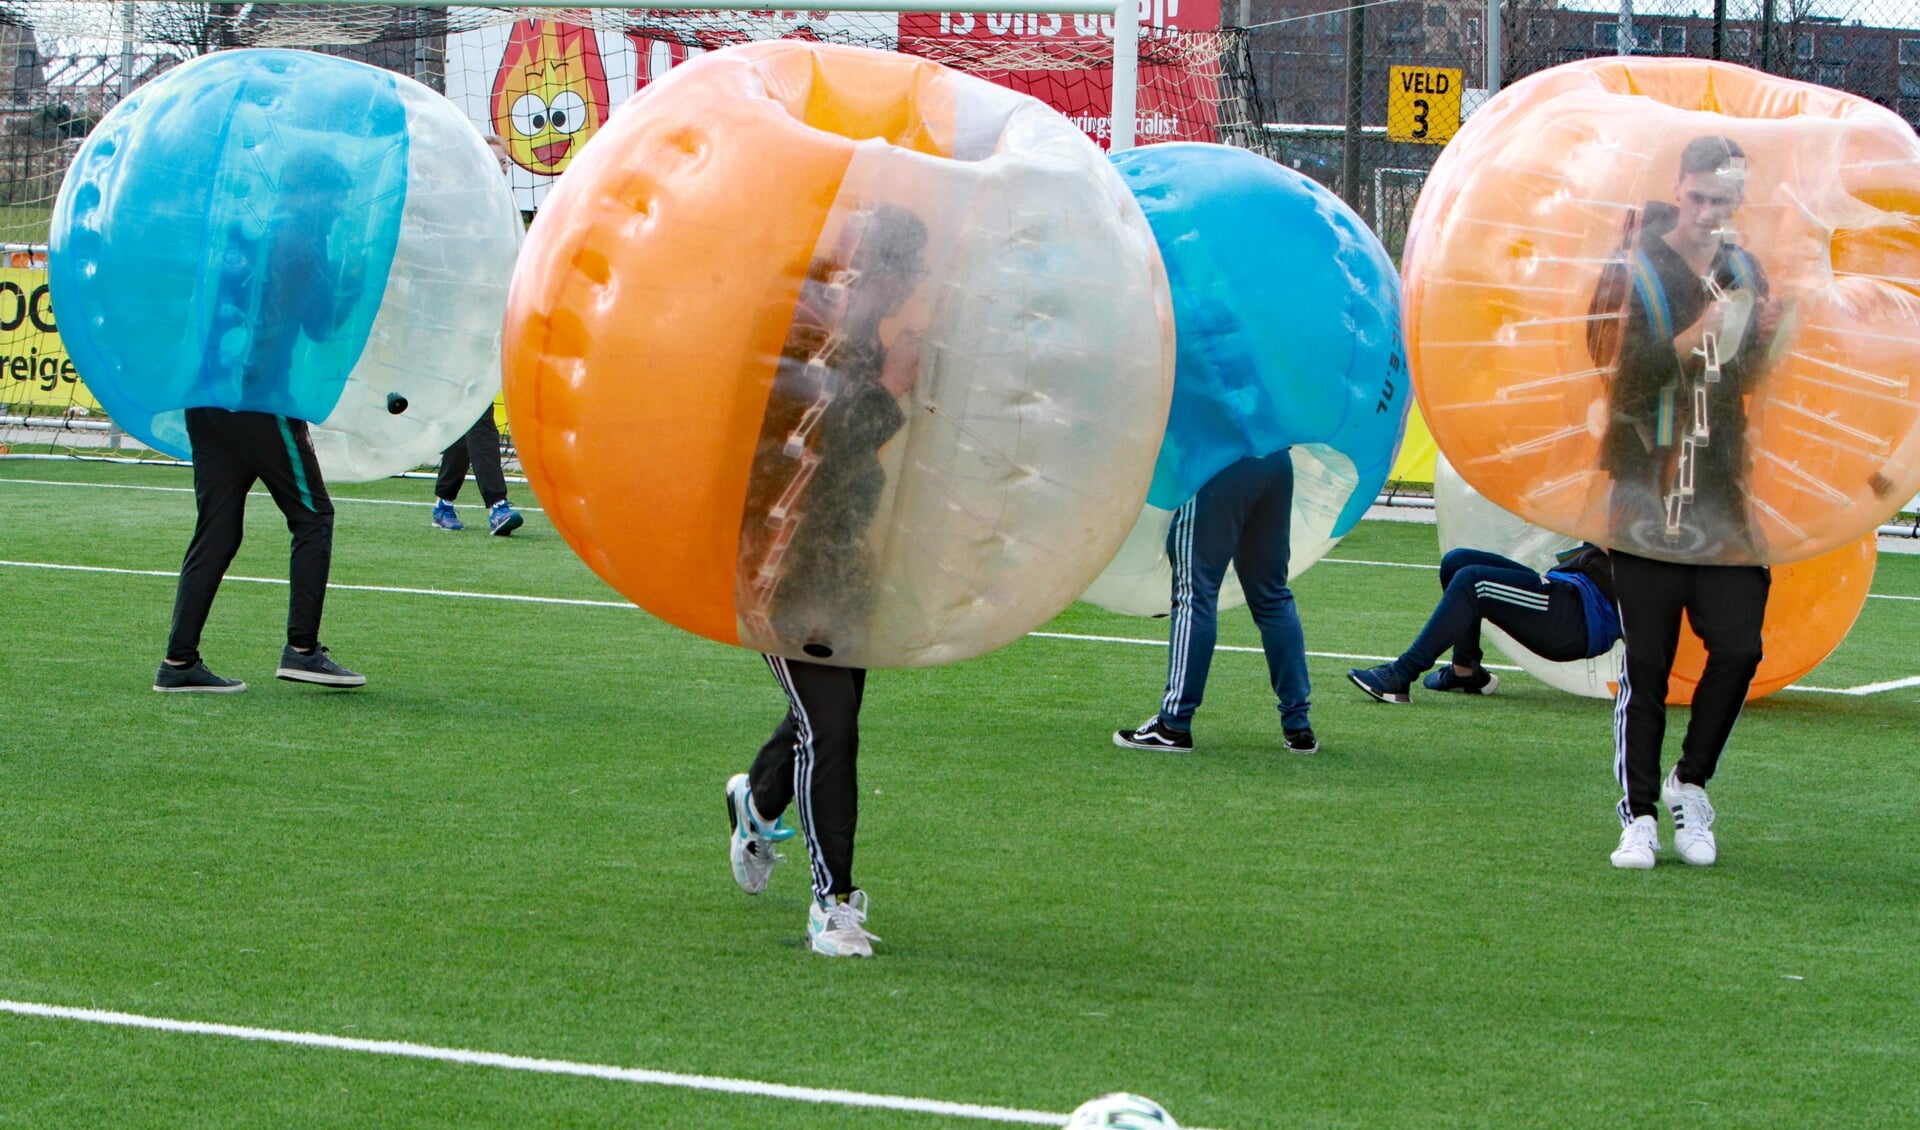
column 478, row 449
column 806, row 573
column 1243, row 515
column 273, row 290
column 1566, row 614
column 1684, row 322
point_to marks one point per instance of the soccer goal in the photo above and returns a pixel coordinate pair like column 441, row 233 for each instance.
column 545, row 77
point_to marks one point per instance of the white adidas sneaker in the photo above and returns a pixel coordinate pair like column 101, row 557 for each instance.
column 1692, row 821
column 838, row 929
column 1638, row 843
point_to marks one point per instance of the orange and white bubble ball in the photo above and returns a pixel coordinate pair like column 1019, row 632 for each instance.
column 1547, row 189
column 840, row 354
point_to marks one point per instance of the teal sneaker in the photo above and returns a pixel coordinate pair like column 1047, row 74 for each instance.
column 750, row 847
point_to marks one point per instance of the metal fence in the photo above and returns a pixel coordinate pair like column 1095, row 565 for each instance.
column 1348, row 92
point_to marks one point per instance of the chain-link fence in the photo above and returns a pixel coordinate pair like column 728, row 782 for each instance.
column 1371, row 129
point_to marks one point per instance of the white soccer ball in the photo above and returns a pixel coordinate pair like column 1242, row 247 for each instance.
column 1121, row 1111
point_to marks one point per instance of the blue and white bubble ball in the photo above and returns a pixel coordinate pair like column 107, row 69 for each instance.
column 287, row 232
column 1286, row 311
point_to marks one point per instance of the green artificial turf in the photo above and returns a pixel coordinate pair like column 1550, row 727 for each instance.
column 513, row 841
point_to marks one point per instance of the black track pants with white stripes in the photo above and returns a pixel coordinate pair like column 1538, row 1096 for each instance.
column 811, row 759
column 1725, row 604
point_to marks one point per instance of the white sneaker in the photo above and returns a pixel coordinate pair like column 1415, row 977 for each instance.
column 750, row 847
column 1638, row 841
column 1692, row 821
column 837, row 929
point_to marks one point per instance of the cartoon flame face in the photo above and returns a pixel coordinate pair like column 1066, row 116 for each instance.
column 549, row 95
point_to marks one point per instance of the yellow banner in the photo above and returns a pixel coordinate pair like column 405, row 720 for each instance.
column 1418, row 453
column 34, row 366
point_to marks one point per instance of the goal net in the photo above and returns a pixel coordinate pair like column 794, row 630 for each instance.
column 543, row 79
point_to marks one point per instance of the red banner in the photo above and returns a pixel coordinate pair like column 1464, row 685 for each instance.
column 1051, row 57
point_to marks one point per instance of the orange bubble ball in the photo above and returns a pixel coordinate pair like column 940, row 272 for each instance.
column 841, row 355
column 1811, row 606
column 1717, row 366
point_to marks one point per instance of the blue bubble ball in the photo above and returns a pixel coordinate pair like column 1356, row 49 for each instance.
column 1286, row 312
column 287, row 232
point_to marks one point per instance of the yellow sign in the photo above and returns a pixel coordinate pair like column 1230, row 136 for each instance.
column 1423, row 104
column 34, row 367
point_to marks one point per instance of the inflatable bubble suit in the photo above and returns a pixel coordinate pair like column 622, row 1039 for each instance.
column 1810, row 607
column 286, row 232
column 1670, row 306
column 841, row 355
column 1287, row 311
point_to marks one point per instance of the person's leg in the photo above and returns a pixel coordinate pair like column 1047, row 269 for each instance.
column 221, row 480
column 1472, row 592
column 1199, row 544
column 1260, row 560
column 1467, row 655
column 1726, row 607
column 282, row 454
column 1555, row 631
column 483, row 452
column 1651, row 595
column 453, row 468
column 823, row 704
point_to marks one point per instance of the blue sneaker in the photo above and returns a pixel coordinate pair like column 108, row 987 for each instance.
column 503, row 519
column 1382, row 683
column 444, row 518
column 1482, row 681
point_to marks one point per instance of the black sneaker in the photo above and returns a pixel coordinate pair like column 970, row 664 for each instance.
column 1302, row 741
column 1482, row 681
column 196, row 677
column 316, row 667
column 1381, row 683
column 1155, row 734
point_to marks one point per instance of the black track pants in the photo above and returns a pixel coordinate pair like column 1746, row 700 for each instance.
column 811, row 759
column 231, row 450
column 1725, row 604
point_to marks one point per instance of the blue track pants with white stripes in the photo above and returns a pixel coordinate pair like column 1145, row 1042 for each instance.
column 1244, row 515
column 810, row 759
column 1544, row 616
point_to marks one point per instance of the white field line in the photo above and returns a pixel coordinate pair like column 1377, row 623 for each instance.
column 258, row 493
column 331, row 585
column 1870, row 688
column 541, row 1066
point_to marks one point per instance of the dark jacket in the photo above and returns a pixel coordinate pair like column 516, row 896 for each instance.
column 817, row 480
column 1656, row 401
